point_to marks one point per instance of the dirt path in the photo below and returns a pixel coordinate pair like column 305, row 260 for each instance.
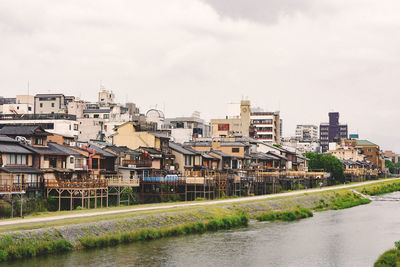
column 182, row 205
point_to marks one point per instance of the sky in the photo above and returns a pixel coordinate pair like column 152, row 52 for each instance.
column 302, row 57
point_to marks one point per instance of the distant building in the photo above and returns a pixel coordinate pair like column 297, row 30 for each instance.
column 106, row 98
column 63, row 124
column 307, row 132
column 23, row 105
column 185, row 129
column 50, row 104
column 390, row 155
column 233, row 126
column 265, row 126
column 332, row 131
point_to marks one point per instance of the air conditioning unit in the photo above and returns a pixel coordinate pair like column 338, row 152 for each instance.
column 131, row 166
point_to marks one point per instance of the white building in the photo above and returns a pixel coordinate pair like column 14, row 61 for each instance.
column 307, row 132
column 185, row 129
column 62, row 124
column 265, row 126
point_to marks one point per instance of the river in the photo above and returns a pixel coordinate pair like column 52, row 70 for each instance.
column 351, row 237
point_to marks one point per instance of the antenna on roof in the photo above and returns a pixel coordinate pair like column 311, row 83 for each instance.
column 28, row 87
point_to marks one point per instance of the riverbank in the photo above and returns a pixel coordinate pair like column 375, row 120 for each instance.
column 157, row 224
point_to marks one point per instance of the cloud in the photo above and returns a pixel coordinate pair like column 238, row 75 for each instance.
column 264, row 11
column 305, row 58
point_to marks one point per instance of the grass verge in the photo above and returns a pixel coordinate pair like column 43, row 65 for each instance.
column 106, row 240
column 389, row 258
column 10, row 250
column 380, row 189
column 293, row 215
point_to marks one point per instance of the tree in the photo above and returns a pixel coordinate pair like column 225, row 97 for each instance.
column 326, row 162
column 390, row 165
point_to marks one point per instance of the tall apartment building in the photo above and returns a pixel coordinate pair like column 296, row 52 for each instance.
column 332, row 131
column 265, row 126
column 307, row 132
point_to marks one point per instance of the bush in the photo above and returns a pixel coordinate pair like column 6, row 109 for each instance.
column 294, row 215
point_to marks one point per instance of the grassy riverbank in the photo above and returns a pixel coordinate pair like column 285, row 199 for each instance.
column 390, row 258
column 22, row 241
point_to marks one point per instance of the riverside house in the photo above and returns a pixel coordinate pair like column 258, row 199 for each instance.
column 16, row 167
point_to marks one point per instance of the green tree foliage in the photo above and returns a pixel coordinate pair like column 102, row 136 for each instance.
column 390, row 165
column 326, row 162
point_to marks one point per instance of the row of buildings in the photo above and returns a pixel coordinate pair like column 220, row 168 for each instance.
column 76, row 150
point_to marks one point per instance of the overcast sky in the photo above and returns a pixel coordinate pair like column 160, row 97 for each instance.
column 303, row 57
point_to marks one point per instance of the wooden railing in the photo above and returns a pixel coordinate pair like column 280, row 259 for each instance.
column 8, row 188
column 119, row 181
column 84, row 184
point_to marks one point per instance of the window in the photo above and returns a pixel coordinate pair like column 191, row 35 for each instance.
column 16, row 159
column 75, row 127
column 41, row 105
column 29, row 108
column 235, row 150
column 95, row 164
column 52, row 105
column 106, row 116
column 86, row 115
column 38, row 141
column 180, row 125
column 71, row 160
column 188, row 160
column 223, row 127
column 96, row 116
column 18, row 107
column 53, row 162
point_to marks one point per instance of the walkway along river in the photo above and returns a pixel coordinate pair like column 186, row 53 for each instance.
column 350, row 237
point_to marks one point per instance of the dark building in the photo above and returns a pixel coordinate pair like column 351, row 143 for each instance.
column 332, row 131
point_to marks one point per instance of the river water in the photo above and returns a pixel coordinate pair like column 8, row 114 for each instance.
column 351, row 237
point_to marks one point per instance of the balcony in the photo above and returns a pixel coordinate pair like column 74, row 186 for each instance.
column 137, row 163
column 55, row 116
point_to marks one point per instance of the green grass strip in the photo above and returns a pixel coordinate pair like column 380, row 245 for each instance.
column 152, row 234
column 10, row 250
column 293, row 215
column 380, row 189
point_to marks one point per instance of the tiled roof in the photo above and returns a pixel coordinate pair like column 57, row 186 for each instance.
column 4, row 138
column 49, row 150
column 23, row 130
column 222, row 154
column 101, row 151
column 180, row 149
column 20, row 169
column 13, row 148
column 63, row 149
column 365, row 143
column 151, row 150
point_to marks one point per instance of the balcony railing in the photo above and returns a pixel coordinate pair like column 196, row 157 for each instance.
column 12, row 187
column 55, row 116
column 137, row 163
column 87, row 183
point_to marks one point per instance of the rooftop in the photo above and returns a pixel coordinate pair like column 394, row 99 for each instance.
column 23, row 130
column 179, row 148
column 364, row 143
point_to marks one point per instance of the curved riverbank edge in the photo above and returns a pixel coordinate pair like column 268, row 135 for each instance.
column 165, row 223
